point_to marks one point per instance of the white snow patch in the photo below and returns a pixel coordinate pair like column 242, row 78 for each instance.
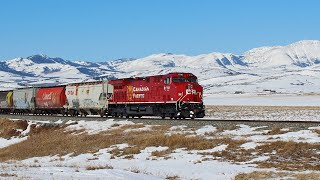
column 249, row 145
column 178, row 128
column 93, row 127
column 146, row 128
column 8, row 142
column 258, row 159
column 242, row 131
column 206, row 129
column 215, row 149
column 299, row 136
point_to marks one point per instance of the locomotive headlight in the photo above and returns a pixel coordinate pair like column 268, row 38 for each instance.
column 191, row 114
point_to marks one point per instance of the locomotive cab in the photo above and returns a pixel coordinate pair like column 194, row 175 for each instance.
column 189, row 101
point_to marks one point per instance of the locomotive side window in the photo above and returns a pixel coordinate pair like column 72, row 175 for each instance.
column 166, row 81
column 179, row 80
column 193, row 80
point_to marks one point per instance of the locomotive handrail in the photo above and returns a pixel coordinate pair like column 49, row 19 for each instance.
column 180, row 99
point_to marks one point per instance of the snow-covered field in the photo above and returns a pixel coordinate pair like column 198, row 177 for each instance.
column 262, row 100
column 222, row 161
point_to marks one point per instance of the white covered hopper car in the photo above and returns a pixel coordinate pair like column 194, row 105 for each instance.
column 88, row 98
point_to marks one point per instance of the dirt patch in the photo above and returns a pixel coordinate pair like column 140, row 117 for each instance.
column 10, row 128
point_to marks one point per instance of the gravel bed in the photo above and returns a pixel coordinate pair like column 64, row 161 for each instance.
column 227, row 124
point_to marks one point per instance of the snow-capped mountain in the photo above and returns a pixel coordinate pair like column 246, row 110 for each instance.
column 302, row 54
column 285, row 69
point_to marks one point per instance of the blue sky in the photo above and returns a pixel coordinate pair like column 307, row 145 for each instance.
column 100, row 30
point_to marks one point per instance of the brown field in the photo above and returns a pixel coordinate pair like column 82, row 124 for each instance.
column 277, row 175
column 45, row 141
column 264, row 112
column 56, row 140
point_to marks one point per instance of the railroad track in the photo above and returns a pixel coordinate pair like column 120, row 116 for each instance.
column 173, row 122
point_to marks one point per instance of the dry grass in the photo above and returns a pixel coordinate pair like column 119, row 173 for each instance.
column 275, row 131
column 132, row 126
column 260, row 175
column 45, row 141
column 8, row 175
column 291, row 155
column 173, row 177
column 9, row 128
column 161, row 128
column 161, row 153
column 283, row 155
column 277, row 175
column 310, row 176
column 55, row 140
column 233, row 152
column 99, row 167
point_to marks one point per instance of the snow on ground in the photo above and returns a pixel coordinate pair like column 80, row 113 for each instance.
column 206, row 129
column 181, row 162
column 262, row 100
column 93, row 128
column 7, row 142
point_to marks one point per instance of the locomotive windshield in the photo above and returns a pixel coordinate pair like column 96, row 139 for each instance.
column 179, row 79
column 193, row 80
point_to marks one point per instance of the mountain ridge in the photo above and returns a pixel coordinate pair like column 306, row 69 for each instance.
column 292, row 68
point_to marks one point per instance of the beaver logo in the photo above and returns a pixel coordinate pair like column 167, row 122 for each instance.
column 130, row 93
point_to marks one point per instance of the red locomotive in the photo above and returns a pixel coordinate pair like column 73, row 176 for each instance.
column 174, row 95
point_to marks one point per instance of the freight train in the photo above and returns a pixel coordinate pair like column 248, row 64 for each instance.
column 173, row 95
